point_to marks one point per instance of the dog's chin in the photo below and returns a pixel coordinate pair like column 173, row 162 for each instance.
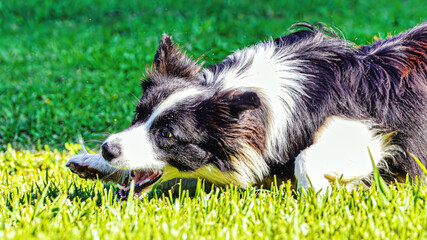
column 143, row 181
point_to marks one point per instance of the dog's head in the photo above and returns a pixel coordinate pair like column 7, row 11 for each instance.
column 186, row 128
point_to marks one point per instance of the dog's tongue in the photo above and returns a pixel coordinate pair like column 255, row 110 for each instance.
column 142, row 180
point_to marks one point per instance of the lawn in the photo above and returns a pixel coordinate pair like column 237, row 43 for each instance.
column 71, row 69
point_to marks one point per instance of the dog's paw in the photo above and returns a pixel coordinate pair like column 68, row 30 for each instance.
column 85, row 166
column 93, row 166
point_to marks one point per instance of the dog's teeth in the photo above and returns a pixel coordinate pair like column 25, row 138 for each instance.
column 144, row 181
column 142, row 175
column 152, row 177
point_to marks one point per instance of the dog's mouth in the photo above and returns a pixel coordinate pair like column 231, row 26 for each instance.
column 143, row 181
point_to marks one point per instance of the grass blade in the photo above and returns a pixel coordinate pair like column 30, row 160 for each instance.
column 381, row 184
column 40, row 201
column 419, row 164
column 129, row 202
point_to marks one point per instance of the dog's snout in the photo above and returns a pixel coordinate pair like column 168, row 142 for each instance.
column 110, row 151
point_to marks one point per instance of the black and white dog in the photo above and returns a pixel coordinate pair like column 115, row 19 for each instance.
column 304, row 107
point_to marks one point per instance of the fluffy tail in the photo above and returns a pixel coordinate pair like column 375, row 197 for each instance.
column 397, row 96
column 401, row 60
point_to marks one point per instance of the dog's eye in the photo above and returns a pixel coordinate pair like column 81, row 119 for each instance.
column 165, row 133
column 136, row 117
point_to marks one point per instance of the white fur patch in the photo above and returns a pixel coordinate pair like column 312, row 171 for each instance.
column 274, row 76
column 170, row 102
column 136, row 150
column 340, row 151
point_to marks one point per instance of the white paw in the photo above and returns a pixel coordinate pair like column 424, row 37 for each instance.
column 93, row 166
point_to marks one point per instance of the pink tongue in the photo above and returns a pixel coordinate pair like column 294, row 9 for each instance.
column 142, row 179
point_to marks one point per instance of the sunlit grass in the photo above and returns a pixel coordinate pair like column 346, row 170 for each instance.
column 44, row 200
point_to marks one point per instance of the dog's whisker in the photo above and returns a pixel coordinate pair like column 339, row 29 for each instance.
column 96, row 146
column 93, row 140
column 136, row 98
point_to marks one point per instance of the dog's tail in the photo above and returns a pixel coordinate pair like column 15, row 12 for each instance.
column 401, row 60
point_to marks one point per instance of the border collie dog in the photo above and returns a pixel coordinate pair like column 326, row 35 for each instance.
column 305, row 107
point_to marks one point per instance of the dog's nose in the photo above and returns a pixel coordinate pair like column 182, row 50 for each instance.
column 110, row 151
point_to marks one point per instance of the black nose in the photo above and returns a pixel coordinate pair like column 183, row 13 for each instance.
column 110, row 151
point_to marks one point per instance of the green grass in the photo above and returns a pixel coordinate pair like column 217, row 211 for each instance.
column 72, row 68
column 40, row 199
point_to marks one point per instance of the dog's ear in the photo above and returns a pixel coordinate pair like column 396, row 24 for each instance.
column 240, row 101
column 233, row 102
column 170, row 61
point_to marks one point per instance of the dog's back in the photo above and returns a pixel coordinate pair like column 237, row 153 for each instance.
column 383, row 85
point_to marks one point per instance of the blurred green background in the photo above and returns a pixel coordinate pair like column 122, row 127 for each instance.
column 71, row 68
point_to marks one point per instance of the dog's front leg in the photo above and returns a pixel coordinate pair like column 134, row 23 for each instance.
column 93, row 166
